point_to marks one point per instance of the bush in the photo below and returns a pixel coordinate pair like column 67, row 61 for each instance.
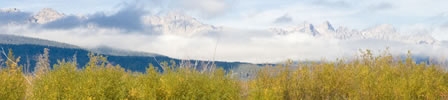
column 365, row 77
column 99, row 80
column 13, row 84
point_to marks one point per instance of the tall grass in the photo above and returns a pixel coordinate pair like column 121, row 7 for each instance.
column 364, row 77
column 12, row 82
column 102, row 81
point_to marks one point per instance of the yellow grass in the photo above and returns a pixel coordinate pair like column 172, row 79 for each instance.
column 365, row 77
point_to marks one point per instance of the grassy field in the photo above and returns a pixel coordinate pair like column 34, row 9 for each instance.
column 367, row 76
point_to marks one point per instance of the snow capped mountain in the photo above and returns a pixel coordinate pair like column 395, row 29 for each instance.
column 325, row 27
column 183, row 25
column 345, row 33
column 302, row 28
column 322, row 30
column 46, row 15
column 179, row 24
column 171, row 23
column 380, row 32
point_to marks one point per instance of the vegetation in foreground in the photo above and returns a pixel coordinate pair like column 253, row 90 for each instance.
column 365, row 77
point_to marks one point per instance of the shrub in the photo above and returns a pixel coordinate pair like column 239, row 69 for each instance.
column 364, row 77
column 367, row 77
column 12, row 81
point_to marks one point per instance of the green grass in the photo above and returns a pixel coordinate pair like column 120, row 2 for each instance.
column 364, row 77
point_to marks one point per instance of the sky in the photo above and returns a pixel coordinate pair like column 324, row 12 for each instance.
column 245, row 21
column 261, row 13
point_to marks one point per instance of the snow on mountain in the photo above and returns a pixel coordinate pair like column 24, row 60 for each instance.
column 302, row 28
column 46, row 15
column 183, row 25
column 325, row 27
column 384, row 31
column 178, row 24
column 171, row 23
column 380, row 32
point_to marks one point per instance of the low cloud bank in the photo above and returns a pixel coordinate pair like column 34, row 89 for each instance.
column 229, row 45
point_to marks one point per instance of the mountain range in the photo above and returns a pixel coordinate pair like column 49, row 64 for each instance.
column 379, row 32
column 171, row 23
column 184, row 25
column 178, row 24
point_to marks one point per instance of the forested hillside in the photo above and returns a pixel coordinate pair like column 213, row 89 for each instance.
column 29, row 52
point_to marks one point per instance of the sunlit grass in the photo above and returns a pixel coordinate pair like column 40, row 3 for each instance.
column 367, row 77
column 364, row 77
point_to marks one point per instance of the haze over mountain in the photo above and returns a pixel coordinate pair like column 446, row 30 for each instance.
column 178, row 24
column 172, row 23
column 184, row 25
column 380, row 32
column 180, row 35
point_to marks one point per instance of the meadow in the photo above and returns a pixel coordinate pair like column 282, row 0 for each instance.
column 366, row 76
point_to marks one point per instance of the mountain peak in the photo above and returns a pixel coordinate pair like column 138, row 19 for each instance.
column 46, row 15
column 305, row 27
column 326, row 25
column 309, row 28
column 177, row 23
column 381, row 32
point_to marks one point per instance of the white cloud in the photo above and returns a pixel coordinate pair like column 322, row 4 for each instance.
column 200, row 8
column 231, row 45
column 73, row 7
column 283, row 19
column 213, row 7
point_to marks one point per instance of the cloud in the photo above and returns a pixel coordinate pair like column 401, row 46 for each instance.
column 444, row 25
column 13, row 17
column 374, row 10
column 256, row 46
column 127, row 18
column 213, row 7
column 203, row 8
column 283, row 19
column 379, row 7
column 66, row 22
column 332, row 3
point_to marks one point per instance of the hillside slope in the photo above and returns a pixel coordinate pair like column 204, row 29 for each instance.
column 28, row 49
